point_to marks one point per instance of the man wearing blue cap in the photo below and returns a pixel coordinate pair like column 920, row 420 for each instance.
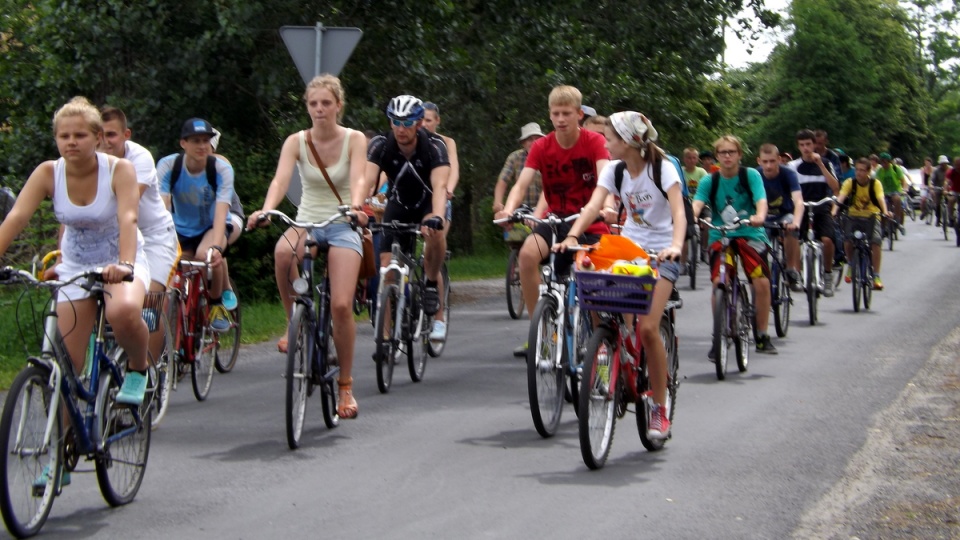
column 198, row 189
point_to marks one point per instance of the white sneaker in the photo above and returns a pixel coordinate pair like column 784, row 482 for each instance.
column 439, row 332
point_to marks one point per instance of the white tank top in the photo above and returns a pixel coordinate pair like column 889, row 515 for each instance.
column 91, row 233
column 318, row 201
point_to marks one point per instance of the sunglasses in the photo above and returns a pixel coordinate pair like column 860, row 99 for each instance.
column 402, row 123
column 726, row 152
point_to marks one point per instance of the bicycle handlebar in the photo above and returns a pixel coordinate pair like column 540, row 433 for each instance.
column 13, row 276
column 550, row 219
column 822, row 201
column 343, row 211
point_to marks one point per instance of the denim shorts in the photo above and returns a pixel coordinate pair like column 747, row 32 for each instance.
column 339, row 235
column 669, row 270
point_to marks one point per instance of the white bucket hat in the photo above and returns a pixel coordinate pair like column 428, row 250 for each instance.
column 530, row 130
column 943, row 159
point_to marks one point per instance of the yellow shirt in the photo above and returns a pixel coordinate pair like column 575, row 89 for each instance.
column 862, row 206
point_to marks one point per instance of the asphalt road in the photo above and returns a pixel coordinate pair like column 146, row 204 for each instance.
column 456, row 456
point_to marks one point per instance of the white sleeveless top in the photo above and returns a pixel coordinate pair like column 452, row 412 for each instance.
column 318, row 201
column 91, row 233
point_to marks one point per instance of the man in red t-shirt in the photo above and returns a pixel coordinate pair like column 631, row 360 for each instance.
column 569, row 160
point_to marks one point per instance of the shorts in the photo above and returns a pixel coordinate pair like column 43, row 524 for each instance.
column 395, row 212
column 340, row 235
column 74, row 292
column 449, row 211
column 823, row 226
column 869, row 226
column 234, row 223
column 162, row 251
column 669, row 270
column 191, row 243
column 784, row 219
column 564, row 260
column 753, row 258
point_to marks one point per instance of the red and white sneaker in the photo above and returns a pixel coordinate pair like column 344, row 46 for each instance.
column 658, row 424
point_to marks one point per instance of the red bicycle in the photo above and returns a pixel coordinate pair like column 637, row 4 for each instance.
column 195, row 343
column 615, row 365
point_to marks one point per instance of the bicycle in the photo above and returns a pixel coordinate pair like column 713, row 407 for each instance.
column 615, row 364
column 733, row 314
column 889, row 227
column 691, row 245
column 956, row 219
column 400, row 316
column 861, row 270
column 40, row 447
column 311, row 360
column 780, row 297
column 811, row 261
column 514, row 239
column 558, row 329
column 194, row 342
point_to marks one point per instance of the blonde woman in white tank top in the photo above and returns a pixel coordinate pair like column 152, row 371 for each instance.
column 343, row 151
column 88, row 187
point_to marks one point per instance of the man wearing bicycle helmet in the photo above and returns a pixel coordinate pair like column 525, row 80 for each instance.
column 417, row 169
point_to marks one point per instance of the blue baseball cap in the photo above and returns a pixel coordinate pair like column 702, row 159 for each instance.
column 196, row 126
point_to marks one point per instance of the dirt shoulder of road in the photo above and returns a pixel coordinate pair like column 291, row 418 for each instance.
column 905, row 481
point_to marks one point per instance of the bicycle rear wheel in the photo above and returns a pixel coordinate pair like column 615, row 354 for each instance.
column 384, row 337
column 544, row 377
column 26, row 410
column 229, row 341
column 598, row 399
column 435, row 348
column 299, row 349
column 693, row 260
column 124, row 441
column 646, row 397
column 163, row 376
column 204, row 352
column 744, row 328
column 781, row 297
column 416, row 334
column 866, row 281
column 514, row 294
column 721, row 332
column 891, row 234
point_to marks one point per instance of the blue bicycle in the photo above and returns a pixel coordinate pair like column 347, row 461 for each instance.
column 41, row 448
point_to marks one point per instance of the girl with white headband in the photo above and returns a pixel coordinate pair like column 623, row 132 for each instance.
column 655, row 221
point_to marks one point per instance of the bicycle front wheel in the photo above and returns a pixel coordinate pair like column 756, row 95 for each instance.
column 721, row 332
column 812, row 287
column 744, row 328
column 693, row 260
column 866, row 282
column 855, row 279
column 204, row 353
column 544, row 377
column 229, row 348
column 416, row 340
column 385, row 337
column 29, row 471
column 514, row 294
column 435, row 348
column 598, row 399
column 162, row 376
column 329, row 390
column 781, row 308
column 299, row 349
column 124, row 442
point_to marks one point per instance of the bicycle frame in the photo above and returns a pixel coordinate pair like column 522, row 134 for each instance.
column 811, row 251
column 403, row 269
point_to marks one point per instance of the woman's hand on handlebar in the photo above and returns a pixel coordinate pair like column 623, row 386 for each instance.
column 258, row 218
column 115, row 273
column 567, row 242
column 671, row 253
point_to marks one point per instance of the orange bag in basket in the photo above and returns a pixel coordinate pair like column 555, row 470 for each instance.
column 609, row 249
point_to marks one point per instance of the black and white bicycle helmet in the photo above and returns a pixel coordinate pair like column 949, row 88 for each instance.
column 405, row 108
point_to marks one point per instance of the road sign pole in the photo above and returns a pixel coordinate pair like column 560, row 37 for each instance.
column 316, row 61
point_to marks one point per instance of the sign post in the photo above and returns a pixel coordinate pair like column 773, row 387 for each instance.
column 319, row 49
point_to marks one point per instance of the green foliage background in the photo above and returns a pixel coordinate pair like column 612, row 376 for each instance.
column 850, row 66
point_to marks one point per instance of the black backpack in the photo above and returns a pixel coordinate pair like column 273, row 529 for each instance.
column 211, row 170
column 853, row 192
column 618, row 182
column 715, row 185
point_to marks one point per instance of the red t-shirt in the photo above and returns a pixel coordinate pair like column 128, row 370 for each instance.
column 953, row 180
column 569, row 175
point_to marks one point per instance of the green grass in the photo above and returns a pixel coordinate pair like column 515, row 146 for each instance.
column 13, row 353
column 262, row 321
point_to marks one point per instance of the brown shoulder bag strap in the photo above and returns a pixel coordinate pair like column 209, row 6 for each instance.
column 322, row 167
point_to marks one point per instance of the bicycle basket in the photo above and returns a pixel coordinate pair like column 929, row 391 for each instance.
column 152, row 308
column 619, row 293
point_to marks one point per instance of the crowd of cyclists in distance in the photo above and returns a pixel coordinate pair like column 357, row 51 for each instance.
column 121, row 211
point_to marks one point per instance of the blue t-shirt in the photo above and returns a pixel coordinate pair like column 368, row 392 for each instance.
column 731, row 194
column 779, row 190
column 193, row 199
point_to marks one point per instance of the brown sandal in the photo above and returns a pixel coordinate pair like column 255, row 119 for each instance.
column 346, row 405
column 282, row 344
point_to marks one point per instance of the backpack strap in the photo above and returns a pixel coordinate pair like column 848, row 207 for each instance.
column 715, row 184
column 177, row 168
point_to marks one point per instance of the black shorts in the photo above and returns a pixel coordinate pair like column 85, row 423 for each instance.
column 823, row 226
column 564, row 260
column 402, row 215
column 191, row 243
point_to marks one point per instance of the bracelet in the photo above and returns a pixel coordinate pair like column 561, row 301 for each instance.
column 577, row 238
column 128, row 264
column 218, row 248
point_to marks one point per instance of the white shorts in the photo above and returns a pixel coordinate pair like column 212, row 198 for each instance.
column 162, row 251
column 238, row 224
column 74, row 292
